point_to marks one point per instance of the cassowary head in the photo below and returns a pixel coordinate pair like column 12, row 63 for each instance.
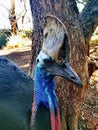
column 55, row 54
column 49, row 66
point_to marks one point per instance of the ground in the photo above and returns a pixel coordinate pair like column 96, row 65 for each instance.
column 19, row 55
column 89, row 112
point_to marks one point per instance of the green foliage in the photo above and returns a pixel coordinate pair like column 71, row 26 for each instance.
column 81, row 1
column 3, row 40
column 84, row 0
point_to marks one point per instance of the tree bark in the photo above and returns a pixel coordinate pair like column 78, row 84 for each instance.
column 37, row 37
column 71, row 97
column 12, row 18
column 89, row 18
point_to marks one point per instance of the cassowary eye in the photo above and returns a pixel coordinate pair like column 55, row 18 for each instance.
column 47, row 61
column 37, row 60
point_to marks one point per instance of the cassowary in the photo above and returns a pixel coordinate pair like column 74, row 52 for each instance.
column 31, row 105
column 27, row 104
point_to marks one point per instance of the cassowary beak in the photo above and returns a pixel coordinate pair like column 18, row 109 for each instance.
column 66, row 72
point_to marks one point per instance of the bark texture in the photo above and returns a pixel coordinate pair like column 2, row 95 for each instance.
column 89, row 21
column 70, row 96
column 89, row 18
column 12, row 18
column 37, row 37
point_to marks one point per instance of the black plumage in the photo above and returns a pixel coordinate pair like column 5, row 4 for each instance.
column 16, row 97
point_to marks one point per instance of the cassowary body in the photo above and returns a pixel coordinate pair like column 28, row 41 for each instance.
column 30, row 105
column 16, row 96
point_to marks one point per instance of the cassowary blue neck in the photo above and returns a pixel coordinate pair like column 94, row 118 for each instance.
column 44, row 88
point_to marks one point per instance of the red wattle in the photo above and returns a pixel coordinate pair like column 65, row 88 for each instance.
column 52, row 121
column 55, row 120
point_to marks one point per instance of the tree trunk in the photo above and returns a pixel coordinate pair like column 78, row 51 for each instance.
column 12, row 18
column 70, row 96
column 37, row 38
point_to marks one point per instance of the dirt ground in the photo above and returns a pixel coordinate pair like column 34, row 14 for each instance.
column 19, row 55
column 89, row 112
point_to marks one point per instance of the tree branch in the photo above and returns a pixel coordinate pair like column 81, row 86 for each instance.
column 89, row 18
